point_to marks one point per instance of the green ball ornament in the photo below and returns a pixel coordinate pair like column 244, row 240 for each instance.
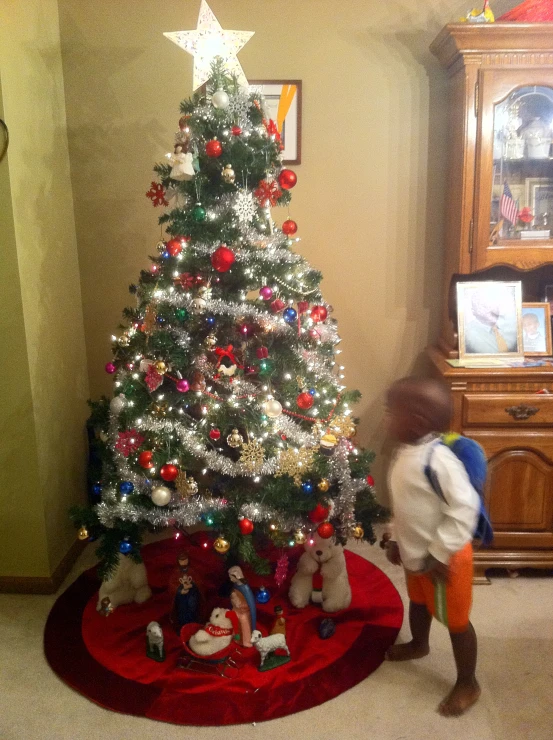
column 199, row 213
column 266, row 367
column 182, row 314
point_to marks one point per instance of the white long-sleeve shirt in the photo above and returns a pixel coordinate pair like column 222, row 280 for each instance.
column 423, row 523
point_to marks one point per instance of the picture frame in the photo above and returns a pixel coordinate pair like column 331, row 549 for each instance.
column 548, row 296
column 539, row 198
column 489, row 315
column 536, row 329
column 283, row 99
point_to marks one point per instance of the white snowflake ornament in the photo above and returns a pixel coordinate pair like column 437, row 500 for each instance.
column 245, row 206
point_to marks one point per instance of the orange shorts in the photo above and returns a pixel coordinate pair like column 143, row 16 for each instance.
column 449, row 602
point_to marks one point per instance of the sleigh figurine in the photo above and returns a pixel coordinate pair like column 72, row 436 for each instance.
column 212, row 648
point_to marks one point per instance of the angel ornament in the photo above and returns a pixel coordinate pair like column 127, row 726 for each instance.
column 182, row 167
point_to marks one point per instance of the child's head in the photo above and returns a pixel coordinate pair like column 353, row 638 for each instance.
column 417, row 407
column 530, row 323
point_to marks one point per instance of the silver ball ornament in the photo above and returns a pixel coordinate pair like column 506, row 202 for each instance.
column 117, row 404
column 220, row 99
column 161, row 495
column 272, row 408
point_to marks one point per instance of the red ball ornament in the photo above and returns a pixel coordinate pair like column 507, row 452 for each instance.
column 287, row 179
column 370, row 480
column 213, row 148
column 169, row 472
column 145, row 459
column 289, row 227
column 318, row 514
column 318, row 313
column 245, row 526
column 174, row 246
column 222, row 259
column 325, row 530
column 215, row 434
column 236, row 130
column 305, row 400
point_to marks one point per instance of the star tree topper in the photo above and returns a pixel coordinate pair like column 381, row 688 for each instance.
column 209, row 41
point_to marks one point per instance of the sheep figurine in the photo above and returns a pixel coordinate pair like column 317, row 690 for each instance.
column 154, row 642
column 266, row 645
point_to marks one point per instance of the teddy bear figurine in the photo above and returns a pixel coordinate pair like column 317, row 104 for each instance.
column 127, row 583
column 321, row 576
column 217, row 634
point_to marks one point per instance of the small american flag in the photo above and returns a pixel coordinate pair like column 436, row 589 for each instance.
column 507, row 205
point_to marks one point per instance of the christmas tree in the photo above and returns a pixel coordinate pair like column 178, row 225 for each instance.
column 228, row 408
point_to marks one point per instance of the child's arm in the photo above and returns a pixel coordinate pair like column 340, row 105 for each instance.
column 460, row 509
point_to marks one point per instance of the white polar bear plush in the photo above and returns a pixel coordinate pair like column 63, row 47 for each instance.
column 128, row 583
column 217, row 634
column 327, row 555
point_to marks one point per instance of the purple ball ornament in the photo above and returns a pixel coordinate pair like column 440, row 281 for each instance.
column 110, row 368
column 266, row 293
column 183, row 385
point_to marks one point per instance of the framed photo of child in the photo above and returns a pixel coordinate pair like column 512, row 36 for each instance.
column 489, row 317
column 536, row 329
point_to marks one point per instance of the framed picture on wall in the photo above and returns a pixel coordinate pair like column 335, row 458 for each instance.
column 536, row 329
column 283, row 102
column 490, row 320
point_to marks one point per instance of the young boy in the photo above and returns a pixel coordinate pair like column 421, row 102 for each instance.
column 431, row 538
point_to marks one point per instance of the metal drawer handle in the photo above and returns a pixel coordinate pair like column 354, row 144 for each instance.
column 522, row 411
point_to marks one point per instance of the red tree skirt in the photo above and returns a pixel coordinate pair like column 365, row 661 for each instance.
column 530, row 11
column 105, row 658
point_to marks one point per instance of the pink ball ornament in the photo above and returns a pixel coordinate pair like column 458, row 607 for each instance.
column 266, row 293
column 110, row 368
column 183, row 385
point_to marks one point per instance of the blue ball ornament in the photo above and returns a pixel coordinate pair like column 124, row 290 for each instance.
column 210, row 321
column 160, row 320
column 262, row 596
column 97, row 489
column 289, row 315
column 165, row 254
column 126, row 487
column 327, row 628
column 125, row 547
column 307, row 486
column 312, row 391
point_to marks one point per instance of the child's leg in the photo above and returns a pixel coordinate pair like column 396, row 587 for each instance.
column 466, row 690
column 420, row 621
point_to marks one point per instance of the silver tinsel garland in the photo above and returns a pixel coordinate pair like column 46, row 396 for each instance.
column 344, row 503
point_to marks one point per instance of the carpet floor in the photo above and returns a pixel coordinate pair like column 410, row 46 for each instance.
column 513, row 619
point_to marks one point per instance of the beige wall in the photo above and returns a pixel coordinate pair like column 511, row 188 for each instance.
column 44, row 375
column 370, row 197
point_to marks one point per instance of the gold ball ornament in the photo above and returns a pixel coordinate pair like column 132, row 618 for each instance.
column 161, row 247
column 82, row 534
column 210, row 340
column 124, row 340
column 323, row 485
column 235, row 439
column 228, row 174
column 161, row 367
column 221, row 545
column 300, row 537
column 358, row 532
column 272, row 408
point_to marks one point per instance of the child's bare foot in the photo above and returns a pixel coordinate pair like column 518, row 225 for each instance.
column 407, row 651
column 461, row 697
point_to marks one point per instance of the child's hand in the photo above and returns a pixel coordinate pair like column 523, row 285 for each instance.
column 436, row 570
column 392, row 552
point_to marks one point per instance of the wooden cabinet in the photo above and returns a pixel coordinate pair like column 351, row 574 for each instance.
column 502, row 409
column 501, row 142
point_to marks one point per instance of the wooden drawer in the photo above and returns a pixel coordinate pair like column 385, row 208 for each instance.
column 507, row 409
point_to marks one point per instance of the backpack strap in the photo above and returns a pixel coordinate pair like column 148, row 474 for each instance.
column 431, row 474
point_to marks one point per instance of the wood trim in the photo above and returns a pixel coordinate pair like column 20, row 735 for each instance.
column 43, row 584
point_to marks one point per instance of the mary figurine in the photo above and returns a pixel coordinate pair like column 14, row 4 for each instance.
column 243, row 603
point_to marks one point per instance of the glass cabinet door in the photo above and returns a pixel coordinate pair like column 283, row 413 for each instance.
column 514, row 188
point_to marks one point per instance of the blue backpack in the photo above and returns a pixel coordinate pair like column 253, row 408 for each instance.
column 472, row 456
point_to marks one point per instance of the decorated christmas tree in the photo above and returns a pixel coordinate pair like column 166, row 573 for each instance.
column 229, row 408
